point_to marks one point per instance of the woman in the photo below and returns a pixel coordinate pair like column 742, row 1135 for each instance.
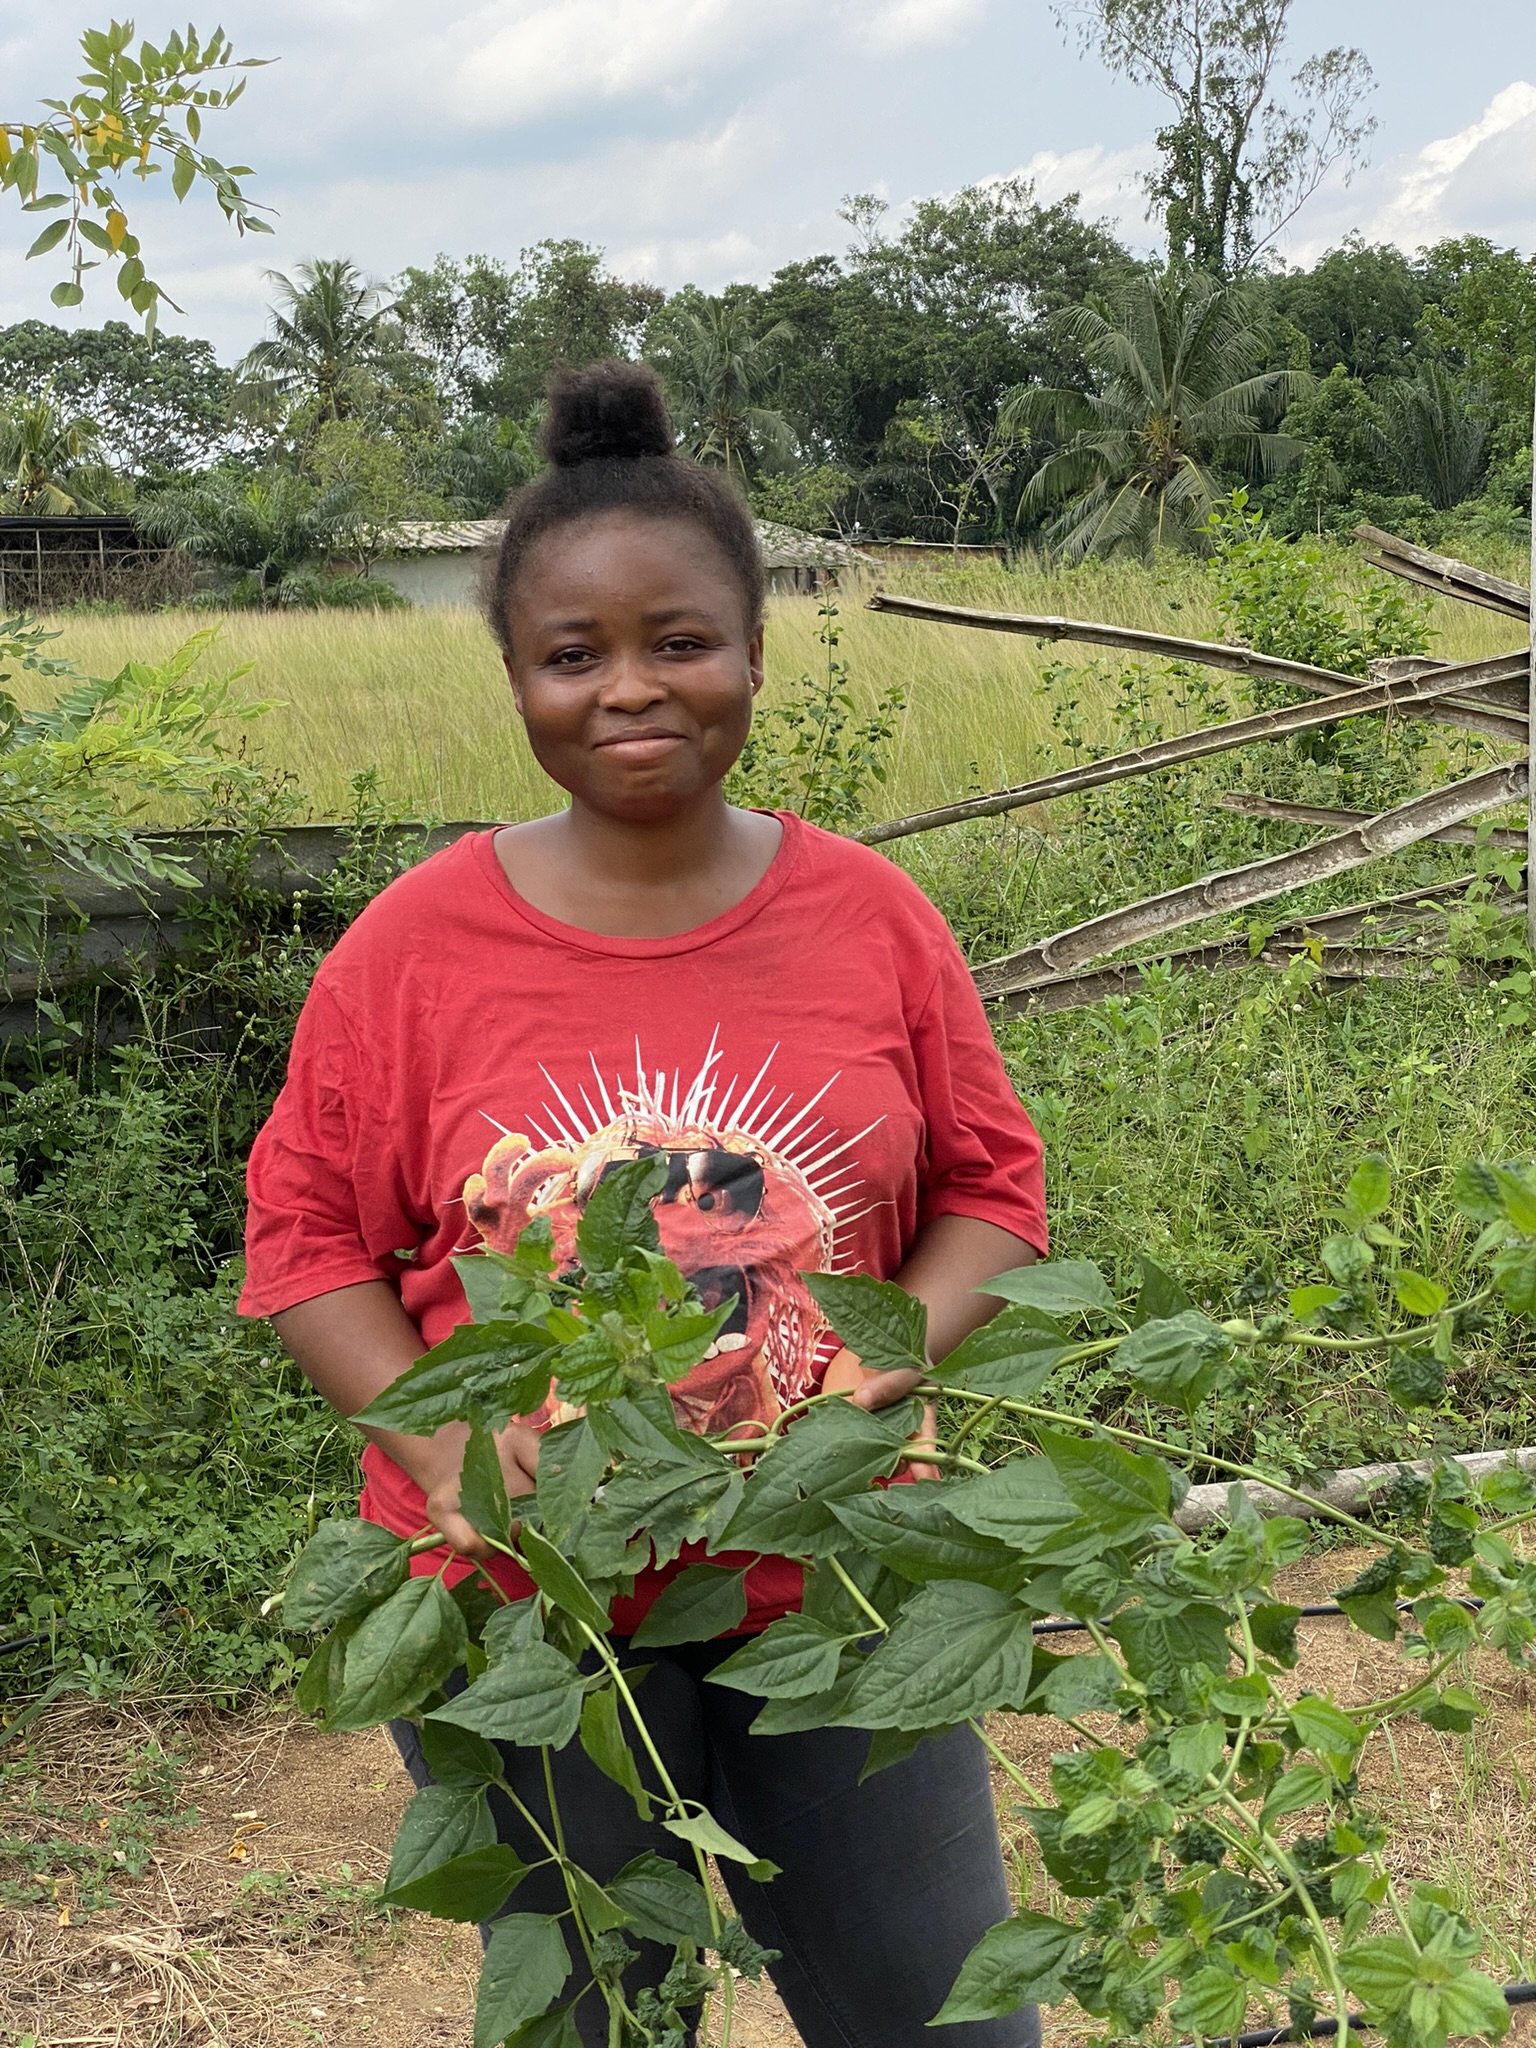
column 784, row 1017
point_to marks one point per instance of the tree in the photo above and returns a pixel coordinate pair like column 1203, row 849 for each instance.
column 1359, row 306
column 377, row 477
column 1178, row 392
column 482, row 462
column 50, row 461
column 327, row 347
column 492, row 336
column 1481, row 318
column 134, row 116
column 720, row 375
column 1246, row 148
column 271, row 525
column 1437, row 428
column 162, row 402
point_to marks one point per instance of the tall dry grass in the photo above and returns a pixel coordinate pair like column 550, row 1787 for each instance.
column 421, row 695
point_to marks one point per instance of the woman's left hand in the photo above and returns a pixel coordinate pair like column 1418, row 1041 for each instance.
column 868, row 1389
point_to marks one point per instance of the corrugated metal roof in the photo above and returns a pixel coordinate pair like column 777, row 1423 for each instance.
column 783, row 546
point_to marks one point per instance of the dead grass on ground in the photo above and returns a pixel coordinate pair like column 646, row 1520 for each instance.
column 255, row 1928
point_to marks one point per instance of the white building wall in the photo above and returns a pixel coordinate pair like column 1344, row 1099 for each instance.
column 444, row 577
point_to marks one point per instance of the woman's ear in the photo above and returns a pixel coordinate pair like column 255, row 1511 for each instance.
column 754, row 660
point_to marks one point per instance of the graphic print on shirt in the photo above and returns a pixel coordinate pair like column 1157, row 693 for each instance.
column 757, row 1192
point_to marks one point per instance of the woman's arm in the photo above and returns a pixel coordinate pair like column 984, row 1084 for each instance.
column 950, row 1258
column 353, row 1343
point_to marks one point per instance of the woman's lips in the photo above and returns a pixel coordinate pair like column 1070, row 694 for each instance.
column 641, row 747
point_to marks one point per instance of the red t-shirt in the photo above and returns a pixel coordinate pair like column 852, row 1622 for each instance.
column 815, row 1064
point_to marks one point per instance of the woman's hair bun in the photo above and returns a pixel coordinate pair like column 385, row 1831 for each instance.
column 606, row 412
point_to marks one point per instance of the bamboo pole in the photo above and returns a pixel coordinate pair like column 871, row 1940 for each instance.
column 1252, row 806
column 1411, row 696
column 1300, row 675
column 1204, row 1507
column 1443, row 573
column 1257, row 882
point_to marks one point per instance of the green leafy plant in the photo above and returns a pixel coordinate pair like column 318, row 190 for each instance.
column 1211, row 1844
column 77, row 778
column 815, row 752
column 134, row 116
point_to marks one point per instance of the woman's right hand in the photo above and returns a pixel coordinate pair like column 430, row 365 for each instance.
column 519, row 1449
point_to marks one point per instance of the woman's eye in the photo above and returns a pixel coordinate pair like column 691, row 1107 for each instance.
column 570, row 657
column 681, row 643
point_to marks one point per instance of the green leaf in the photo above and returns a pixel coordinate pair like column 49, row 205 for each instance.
column 1067, row 1687
column 183, row 173
column 320, row 1681
column 675, row 1503
column 663, row 1903
column 525, row 1965
column 1517, row 1198
column 833, row 1451
column 911, row 1529
column 342, row 1571
column 619, row 1214
column 1175, row 1359
column 572, row 1462
column 1331, row 1734
column 678, row 1340
column 458, row 1758
column 791, row 1659
column 50, row 238
column 469, row 1888
column 1420, row 1297
column 1212, row 2002
column 1369, row 1190
column 1124, row 1492
column 1306, row 1304
column 556, row 2029
column 1455, row 1712
column 481, row 1372
column 483, row 1488
column 706, row 1833
column 560, row 1582
column 886, row 1326
column 954, row 1651
column 402, row 1651
column 1476, row 1193
column 1514, row 1275
column 1016, row 1963
column 532, row 1697
column 602, row 1737
column 1415, row 1379
column 1303, row 1785
column 598, row 1909
column 1025, row 1505
column 442, row 1823
column 1061, row 1287
column 1012, row 1355
column 1273, row 1624
column 1160, row 1647
column 700, row 1604
column 1160, row 1296
column 889, row 1746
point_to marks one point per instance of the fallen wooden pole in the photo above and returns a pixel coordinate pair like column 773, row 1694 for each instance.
column 1443, row 573
column 1257, row 882
column 1252, row 806
column 1408, row 695
column 1320, row 939
column 1355, row 1487
column 1299, row 675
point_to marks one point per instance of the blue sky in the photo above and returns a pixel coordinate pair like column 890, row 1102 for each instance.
column 707, row 140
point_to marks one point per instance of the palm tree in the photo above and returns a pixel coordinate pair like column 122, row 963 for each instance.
column 325, row 342
column 270, row 526
column 49, row 463
column 718, row 374
column 1178, row 392
column 1437, row 432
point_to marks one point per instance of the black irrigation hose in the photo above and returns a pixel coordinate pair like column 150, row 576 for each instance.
column 20, row 1643
column 1324, row 2029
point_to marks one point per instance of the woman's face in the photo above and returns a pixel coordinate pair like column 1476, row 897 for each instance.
column 632, row 662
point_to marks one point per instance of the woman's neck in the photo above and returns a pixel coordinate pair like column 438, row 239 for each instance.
column 628, row 879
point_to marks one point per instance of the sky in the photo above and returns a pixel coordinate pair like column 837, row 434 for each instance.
column 709, row 140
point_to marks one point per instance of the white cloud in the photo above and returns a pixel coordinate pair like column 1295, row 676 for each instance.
column 905, row 24
column 561, row 53
column 1478, row 181
column 1107, row 180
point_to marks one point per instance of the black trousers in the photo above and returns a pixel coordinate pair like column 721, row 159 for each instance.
column 884, row 1889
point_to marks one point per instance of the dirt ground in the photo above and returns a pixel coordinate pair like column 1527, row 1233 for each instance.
column 254, row 1925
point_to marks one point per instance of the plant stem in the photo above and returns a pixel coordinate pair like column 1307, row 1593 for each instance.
column 856, row 1596
column 1004, row 1763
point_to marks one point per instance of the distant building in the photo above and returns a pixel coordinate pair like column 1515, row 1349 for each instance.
column 438, row 562
column 53, row 559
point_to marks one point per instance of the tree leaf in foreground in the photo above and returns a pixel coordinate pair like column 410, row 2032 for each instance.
column 706, row 1833
column 441, row 1823
column 531, row 1697
column 705, row 1601
column 664, row 1903
column 467, row 1888
column 400, row 1653
column 1061, row 1287
column 956, row 1650
column 343, row 1570
column 836, row 1449
column 885, row 1325
column 791, row 1659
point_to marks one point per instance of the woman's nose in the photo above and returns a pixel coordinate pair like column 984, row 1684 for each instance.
column 631, row 683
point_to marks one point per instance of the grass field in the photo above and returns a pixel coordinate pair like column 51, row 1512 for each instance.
column 421, row 696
